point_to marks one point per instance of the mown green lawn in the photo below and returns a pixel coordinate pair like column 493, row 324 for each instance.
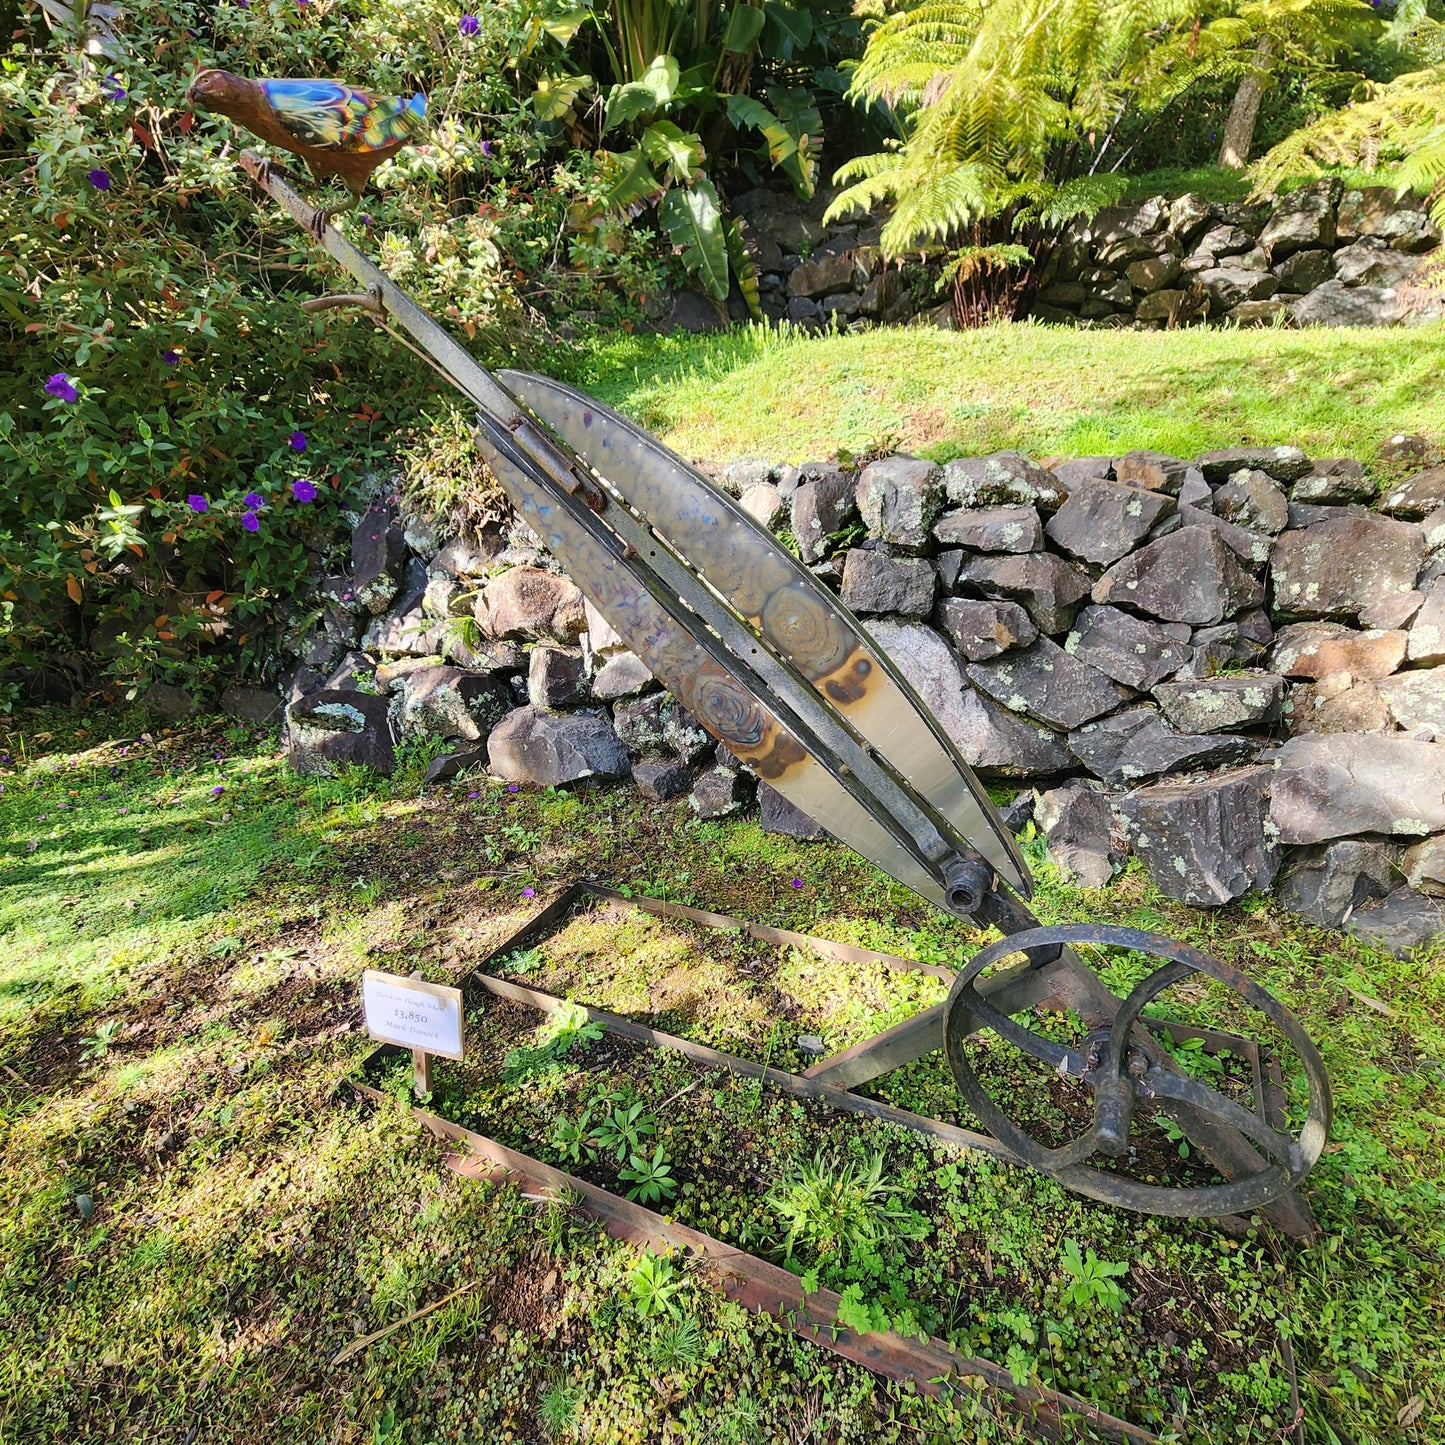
column 1048, row 391
column 195, row 1218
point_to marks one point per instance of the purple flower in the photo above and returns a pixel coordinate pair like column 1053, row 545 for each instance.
column 99, row 179
column 303, row 490
column 486, row 147
column 251, row 522
column 298, row 441
column 254, row 501
column 364, row 219
column 797, row 882
column 512, row 787
column 171, row 358
column 197, row 503
column 469, row 25
column 60, row 385
column 474, row 795
column 112, row 87
column 219, row 788
column 122, row 810
column 529, row 893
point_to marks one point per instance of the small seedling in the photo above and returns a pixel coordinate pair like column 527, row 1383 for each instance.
column 559, row 1407
column 622, row 1129
column 98, row 1045
column 654, row 1285
column 651, row 1179
column 1092, row 1279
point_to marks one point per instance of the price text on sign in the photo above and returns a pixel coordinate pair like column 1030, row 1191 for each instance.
column 413, row 1014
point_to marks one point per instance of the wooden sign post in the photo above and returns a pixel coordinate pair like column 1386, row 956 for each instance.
column 423, row 1017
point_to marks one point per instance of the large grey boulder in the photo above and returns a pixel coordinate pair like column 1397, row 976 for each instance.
column 1005, row 479
column 1339, row 784
column 1379, row 212
column 1371, row 262
column 1302, row 220
column 874, row 582
column 1205, row 842
column 1189, row 576
column 1322, row 649
column 765, row 504
column 1335, row 304
column 1102, row 521
column 1222, row 704
column 1046, row 587
column 719, row 792
column 528, row 602
column 1231, row 286
column 981, row 630
column 988, row 737
column 991, row 529
column 1047, row 683
column 624, row 674
column 1304, row 270
column 1326, row 882
column 662, row 779
column 446, row 702
column 1424, row 866
column 1129, row 649
column 821, row 505
column 1078, row 822
column 899, row 498
column 1416, row 497
column 1338, row 567
column 336, row 728
column 1400, row 923
column 549, row 749
column 250, row 703
column 1338, row 704
column 1137, row 744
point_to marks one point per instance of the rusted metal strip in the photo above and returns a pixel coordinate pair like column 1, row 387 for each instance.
column 795, row 1084
column 931, row 1365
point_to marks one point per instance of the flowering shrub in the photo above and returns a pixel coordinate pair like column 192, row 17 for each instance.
column 177, row 439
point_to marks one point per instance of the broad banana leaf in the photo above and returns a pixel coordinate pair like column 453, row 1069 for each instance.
column 693, row 221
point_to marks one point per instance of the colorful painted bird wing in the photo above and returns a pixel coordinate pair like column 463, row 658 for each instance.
column 330, row 116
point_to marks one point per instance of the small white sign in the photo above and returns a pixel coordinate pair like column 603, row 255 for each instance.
column 411, row 1013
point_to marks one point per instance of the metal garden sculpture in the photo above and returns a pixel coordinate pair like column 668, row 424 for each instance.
column 771, row 664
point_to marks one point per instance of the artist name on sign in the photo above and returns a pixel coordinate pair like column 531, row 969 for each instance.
column 411, row 1013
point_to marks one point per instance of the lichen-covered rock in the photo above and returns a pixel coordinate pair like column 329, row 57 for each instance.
column 981, row 630
column 1392, row 614
column 720, row 792
column 1129, row 649
column 1046, row 587
column 1424, row 866
column 1137, row 744
column 1153, row 471
column 336, row 728
column 1425, row 645
column 1339, row 479
column 530, row 603
column 1102, row 521
column 641, row 724
column 1418, row 496
column 899, row 498
column 1304, row 219
column 1078, row 822
column 765, row 504
column 410, row 633
column 1252, row 499
column 1220, row 704
column 556, row 677
column 1326, row 882
column 1047, row 683
column 1338, row 704
column 1371, row 262
column 468, row 557
column 1321, row 649
column 624, row 674
column 446, row 702
column 778, row 815
column 1004, row 479
column 874, row 582
column 988, row 737
column 1231, row 286
column 1189, row 576
column 1416, row 700
column 1340, row 784
column 378, row 553
column 1304, row 270
column 737, row 477
column 821, row 505
column 1335, row 304
column 991, row 529
column 550, row 749
column 1284, row 464
column 1205, row 842
column 1336, row 568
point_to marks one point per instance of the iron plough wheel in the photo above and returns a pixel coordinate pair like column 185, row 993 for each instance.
column 1123, row 1064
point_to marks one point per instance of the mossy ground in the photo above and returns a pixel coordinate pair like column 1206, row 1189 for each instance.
column 194, row 1218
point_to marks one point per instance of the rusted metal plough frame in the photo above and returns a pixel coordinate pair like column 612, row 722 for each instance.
column 771, row 664
column 932, row 1366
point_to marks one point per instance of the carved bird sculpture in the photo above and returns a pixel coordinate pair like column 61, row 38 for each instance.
column 336, row 130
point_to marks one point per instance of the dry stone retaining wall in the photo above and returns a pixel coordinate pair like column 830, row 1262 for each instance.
column 1226, row 666
column 1319, row 256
